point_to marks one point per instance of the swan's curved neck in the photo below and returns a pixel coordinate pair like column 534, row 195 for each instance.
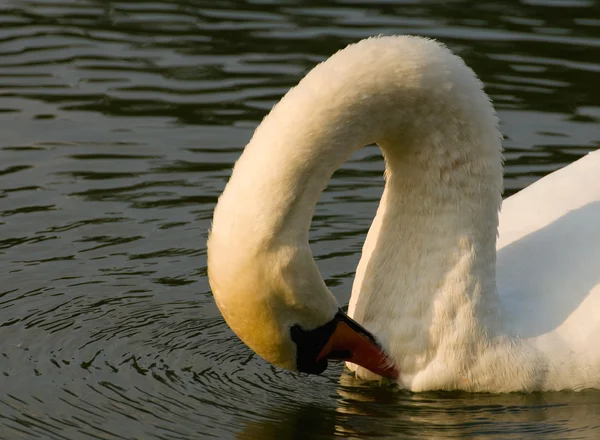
column 436, row 225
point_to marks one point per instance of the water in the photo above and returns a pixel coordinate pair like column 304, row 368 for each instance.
column 120, row 121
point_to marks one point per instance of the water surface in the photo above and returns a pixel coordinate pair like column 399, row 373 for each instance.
column 120, row 121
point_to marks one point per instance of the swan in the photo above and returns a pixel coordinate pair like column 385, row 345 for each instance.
column 448, row 294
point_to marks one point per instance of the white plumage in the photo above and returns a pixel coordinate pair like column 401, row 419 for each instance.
column 450, row 311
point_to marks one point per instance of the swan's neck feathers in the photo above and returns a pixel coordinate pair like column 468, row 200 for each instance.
column 433, row 253
column 430, row 255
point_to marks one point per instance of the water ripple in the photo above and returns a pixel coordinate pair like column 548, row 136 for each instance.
column 121, row 121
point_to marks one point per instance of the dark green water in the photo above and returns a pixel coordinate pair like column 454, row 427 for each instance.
column 119, row 124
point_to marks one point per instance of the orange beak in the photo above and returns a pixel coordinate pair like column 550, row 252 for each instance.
column 353, row 343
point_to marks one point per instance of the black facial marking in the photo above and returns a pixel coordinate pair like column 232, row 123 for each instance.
column 309, row 343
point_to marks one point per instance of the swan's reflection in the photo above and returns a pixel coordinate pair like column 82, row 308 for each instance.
column 366, row 410
column 381, row 411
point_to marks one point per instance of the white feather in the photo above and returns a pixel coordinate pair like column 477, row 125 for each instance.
column 426, row 284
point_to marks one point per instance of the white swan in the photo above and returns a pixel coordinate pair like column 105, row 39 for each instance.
column 449, row 310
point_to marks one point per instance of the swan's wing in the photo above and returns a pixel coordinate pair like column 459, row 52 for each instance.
column 548, row 268
column 548, row 199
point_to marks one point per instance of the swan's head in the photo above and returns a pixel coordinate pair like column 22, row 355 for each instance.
column 276, row 302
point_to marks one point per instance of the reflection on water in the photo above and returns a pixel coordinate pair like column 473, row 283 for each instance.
column 367, row 411
column 463, row 415
column 120, row 122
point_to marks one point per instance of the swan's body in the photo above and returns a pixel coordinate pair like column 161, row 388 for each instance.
column 426, row 284
column 548, row 312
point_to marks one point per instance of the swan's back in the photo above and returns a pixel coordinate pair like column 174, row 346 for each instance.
column 548, row 267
